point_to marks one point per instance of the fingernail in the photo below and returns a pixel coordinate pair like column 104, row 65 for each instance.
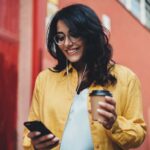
column 56, row 139
column 50, row 135
column 98, row 110
column 107, row 97
column 99, row 103
column 37, row 133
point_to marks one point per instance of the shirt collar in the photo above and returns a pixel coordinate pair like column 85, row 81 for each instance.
column 70, row 69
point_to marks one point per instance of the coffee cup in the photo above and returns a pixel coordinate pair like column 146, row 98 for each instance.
column 97, row 96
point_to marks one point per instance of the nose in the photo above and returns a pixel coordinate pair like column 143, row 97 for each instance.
column 68, row 42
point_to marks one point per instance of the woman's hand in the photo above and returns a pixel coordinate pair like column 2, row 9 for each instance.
column 45, row 142
column 107, row 111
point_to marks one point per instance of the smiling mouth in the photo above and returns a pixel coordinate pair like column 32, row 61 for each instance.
column 72, row 51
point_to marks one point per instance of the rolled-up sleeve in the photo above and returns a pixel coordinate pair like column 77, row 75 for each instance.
column 129, row 130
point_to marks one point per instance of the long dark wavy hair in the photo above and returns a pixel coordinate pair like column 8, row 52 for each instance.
column 82, row 20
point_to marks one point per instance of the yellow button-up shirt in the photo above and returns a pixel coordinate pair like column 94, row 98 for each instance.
column 53, row 96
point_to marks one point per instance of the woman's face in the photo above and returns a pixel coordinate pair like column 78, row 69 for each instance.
column 71, row 45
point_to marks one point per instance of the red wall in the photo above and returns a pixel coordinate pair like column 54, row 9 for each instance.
column 130, row 41
column 9, row 31
column 39, row 16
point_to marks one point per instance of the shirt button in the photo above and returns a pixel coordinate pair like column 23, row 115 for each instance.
column 97, row 147
column 92, row 123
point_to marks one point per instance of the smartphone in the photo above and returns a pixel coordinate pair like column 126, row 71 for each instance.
column 37, row 126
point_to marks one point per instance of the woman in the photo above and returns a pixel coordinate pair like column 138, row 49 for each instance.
column 77, row 39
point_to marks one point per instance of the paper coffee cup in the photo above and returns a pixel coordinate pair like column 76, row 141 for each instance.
column 97, row 96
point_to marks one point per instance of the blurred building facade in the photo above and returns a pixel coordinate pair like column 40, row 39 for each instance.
column 23, row 53
column 9, row 49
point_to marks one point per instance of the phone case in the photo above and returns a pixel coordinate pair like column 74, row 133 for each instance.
column 37, row 126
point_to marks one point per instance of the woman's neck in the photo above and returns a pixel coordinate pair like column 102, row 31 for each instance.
column 79, row 67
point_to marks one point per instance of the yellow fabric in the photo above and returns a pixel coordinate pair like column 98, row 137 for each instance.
column 53, row 95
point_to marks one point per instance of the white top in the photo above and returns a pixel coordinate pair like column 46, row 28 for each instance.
column 77, row 134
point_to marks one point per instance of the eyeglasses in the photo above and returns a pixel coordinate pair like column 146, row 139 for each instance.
column 60, row 38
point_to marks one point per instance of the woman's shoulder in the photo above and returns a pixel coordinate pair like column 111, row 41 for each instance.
column 48, row 73
column 47, row 77
column 122, row 69
column 123, row 72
